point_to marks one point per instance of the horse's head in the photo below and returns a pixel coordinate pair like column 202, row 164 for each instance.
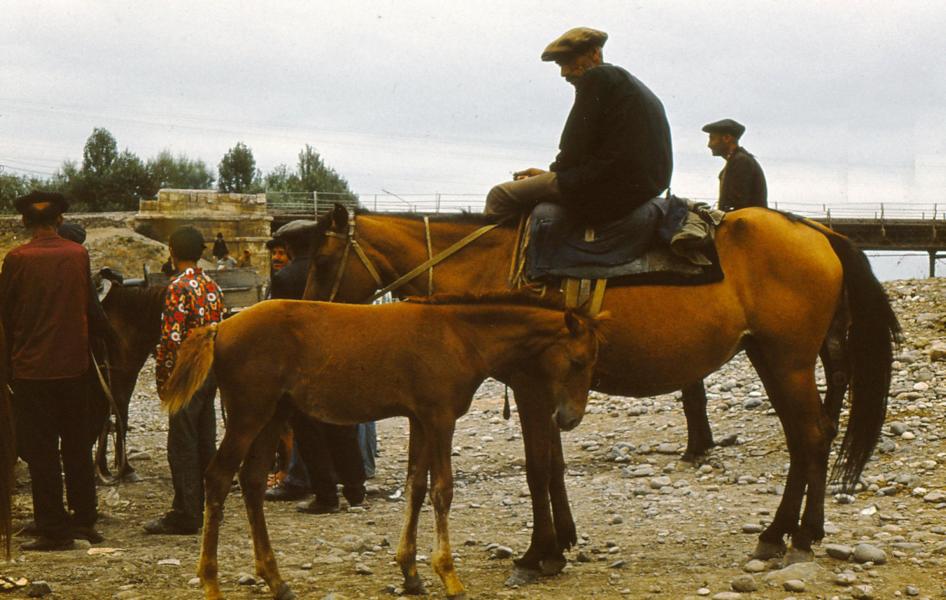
column 563, row 371
column 339, row 271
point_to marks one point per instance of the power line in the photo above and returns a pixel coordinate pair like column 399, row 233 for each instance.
column 22, row 170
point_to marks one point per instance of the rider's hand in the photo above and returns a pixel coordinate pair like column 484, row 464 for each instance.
column 530, row 172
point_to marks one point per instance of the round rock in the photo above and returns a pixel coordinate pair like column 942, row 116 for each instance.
column 869, row 553
column 794, row 585
column 744, row 583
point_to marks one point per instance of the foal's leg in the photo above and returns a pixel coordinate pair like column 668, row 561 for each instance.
column 217, row 481
column 417, row 467
column 837, row 365
column 253, row 475
column 441, row 495
column 699, row 434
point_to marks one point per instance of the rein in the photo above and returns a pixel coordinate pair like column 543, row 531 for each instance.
column 427, row 265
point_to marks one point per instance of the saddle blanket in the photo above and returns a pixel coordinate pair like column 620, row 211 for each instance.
column 666, row 241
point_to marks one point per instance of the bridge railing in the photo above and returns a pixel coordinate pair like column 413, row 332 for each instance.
column 319, row 202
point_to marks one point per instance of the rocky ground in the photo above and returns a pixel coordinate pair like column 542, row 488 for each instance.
column 650, row 526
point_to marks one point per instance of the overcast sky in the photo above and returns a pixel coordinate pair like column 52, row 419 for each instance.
column 842, row 100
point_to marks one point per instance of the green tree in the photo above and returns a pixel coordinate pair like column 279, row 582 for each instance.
column 316, row 176
column 168, row 171
column 237, row 170
column 99, row 153
column 13, row 186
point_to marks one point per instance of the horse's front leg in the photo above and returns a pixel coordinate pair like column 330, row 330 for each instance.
column 441, row 496
column 565, row 530
column 417, row 468
column 537, row 426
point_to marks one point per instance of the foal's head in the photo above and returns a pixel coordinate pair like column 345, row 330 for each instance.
column 562, row 372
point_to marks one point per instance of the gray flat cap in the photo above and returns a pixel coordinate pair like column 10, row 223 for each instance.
column 574, row 41
column 295, row 228
column 733, row 128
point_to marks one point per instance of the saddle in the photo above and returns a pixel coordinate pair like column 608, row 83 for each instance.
column 665, row 241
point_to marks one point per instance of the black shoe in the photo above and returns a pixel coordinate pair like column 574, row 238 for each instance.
column 88, row 534
column 315, row 507
column 165, row 526
column 48, row 544
column 285, row 493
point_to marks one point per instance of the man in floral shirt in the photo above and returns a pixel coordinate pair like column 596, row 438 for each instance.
column 193, row 300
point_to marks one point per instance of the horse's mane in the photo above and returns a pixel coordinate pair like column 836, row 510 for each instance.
column 517, row 298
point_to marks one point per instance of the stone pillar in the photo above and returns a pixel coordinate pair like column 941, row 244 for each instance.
column 241, row 218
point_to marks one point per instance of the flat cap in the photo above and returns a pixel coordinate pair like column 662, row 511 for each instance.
column 574, row 41
column 294, row 228
column 275, row 242
column 56, row 200
column 733, row 128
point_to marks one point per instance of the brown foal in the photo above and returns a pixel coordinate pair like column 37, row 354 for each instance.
column 349, row 364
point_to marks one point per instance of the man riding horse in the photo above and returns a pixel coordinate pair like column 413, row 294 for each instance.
column 615, row 151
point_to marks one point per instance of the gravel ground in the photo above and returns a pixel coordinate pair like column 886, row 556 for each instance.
column 649, row 525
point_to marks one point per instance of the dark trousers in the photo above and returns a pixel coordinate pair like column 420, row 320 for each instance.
column 332, row 455
column 192, row 441
column 52, row 425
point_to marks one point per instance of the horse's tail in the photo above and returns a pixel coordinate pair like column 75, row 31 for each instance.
column 195, row 358
column 872, row 335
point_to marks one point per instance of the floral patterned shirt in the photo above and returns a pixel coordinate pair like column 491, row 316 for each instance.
column 193, row 300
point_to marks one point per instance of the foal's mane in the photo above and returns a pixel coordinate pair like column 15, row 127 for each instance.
column 460, row 218
column 516, row 298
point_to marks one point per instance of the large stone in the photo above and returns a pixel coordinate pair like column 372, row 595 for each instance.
column 869, row 553
column 805, row 571
column 838, row 551
column 744, row 584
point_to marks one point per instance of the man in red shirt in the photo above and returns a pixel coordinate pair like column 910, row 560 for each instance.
column 193, row 300
column 45, row 293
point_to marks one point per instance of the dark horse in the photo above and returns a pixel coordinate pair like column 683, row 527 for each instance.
column 134, row 313
column 349, row 364
column 786, row 280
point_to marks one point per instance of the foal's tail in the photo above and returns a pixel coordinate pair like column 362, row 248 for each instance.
column 872, row 335
column 195, row 358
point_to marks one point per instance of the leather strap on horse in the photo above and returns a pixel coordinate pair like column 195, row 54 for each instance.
column 429, row 264
column 430, row 255
column 121, row 459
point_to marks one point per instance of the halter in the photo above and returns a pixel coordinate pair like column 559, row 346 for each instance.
column 427, row 265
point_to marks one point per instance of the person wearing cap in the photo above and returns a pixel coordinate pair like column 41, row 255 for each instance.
column 322, row 452
column 741, row 182
column 45, row 291
column 615, row 151
column 192, row 300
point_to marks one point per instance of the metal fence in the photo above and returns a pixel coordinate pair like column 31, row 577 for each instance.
column 319, row 202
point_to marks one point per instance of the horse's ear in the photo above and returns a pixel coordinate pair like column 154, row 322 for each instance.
column 339, row 217
column 576, row 326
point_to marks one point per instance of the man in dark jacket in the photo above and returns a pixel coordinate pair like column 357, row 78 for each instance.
column 741, row 182
column 45, row 293
column 615, row 152
column 327, row 451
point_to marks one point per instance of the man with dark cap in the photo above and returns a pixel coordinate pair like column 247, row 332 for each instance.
column 327, row 452
column 615, row 151
column 741, row 182
column 45, row 292
column 192, row 300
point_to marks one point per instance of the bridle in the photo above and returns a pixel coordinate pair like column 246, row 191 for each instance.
column 351, row 244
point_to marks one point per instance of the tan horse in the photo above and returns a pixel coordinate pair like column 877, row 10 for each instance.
column 350, row 364
column 785, row 280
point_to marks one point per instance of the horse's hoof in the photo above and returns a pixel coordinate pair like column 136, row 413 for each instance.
column 414, row 586
column 796, row 555
column 131, row 477
column 521, row 576
column 552, row 566
column 767, row 550
column 285, row 593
